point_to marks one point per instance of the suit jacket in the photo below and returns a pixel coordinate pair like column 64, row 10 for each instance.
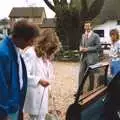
column 11, row 96
column 93, row 45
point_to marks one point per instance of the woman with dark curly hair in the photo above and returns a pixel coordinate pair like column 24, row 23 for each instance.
column 40, row 73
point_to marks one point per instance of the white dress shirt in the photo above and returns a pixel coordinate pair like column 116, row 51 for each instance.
column 20, row 69
column 88, row 34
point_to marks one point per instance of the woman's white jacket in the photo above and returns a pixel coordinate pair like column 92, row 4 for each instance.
column 37, row 70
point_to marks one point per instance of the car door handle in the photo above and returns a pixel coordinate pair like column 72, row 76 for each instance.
column 118, row 113
column 103, row 100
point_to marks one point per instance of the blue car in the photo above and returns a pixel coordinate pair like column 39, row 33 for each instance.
column 100, row 103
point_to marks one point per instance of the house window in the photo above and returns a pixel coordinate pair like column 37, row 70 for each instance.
column 9, row 31
column 118, row 22
column 1, row 31
column 30, row 19
column 18, row 19
column 100, row 32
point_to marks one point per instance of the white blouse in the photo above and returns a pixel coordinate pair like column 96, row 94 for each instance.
column 37, row 68
column 114, row 53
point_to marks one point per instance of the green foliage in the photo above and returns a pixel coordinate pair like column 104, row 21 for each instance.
column 67, row 25
column 68, row 55
column 70, row 18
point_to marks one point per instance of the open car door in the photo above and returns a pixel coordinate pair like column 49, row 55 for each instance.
column 92, row 102
column 89, row 104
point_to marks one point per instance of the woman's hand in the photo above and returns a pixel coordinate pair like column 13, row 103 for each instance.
column 44, row 83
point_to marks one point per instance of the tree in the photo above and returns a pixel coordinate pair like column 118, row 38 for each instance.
column 70, row 18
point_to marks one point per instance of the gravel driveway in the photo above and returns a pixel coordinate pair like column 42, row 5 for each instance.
column 65, row 84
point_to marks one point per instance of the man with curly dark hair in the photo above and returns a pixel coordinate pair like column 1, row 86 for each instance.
column 13, row 75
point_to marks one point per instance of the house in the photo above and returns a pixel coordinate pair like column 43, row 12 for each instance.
column 32, row 14
column 48, row 23
column 4, row 27
column 104, row 29
column 110, row 11
column 109, row 18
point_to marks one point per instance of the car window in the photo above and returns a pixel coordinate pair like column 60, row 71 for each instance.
column 100, row 32
column 89, row 104
column 96, row 79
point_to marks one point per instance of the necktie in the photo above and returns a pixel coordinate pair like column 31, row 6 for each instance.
column 87, row 36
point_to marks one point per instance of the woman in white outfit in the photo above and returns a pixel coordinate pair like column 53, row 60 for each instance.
column 40, row 73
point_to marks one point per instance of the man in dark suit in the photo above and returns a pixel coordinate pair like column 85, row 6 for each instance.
column 89, row 51
column 13, row 75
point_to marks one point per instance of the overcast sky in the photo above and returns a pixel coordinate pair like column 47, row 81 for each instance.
column 7, row 5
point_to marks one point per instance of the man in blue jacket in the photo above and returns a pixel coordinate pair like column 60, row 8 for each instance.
column 13, row 75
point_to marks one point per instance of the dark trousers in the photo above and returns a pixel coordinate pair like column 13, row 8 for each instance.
column 20, row 117
column 83, row 68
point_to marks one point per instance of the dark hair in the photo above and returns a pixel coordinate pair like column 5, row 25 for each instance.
column 114, row 31
column 24, row 30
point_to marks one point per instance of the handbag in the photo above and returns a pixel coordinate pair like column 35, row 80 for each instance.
column 115, row 67
column 53, row 114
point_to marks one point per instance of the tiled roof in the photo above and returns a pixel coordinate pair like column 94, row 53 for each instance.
column 48, row 23
column 110, row 10
column 17, row 12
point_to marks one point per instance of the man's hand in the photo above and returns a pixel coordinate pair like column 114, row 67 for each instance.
column 44, row 83
column 83, row 49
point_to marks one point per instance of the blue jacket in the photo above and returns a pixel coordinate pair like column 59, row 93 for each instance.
column 11, row 97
